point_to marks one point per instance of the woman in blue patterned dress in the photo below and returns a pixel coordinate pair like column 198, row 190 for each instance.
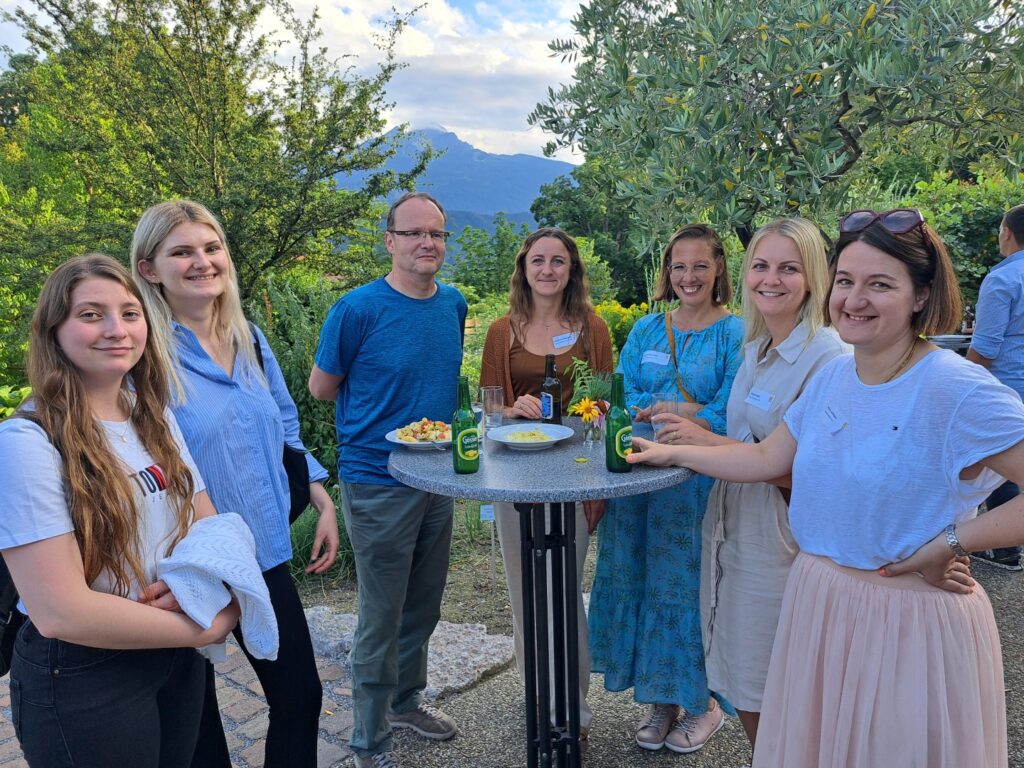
column 645, row 610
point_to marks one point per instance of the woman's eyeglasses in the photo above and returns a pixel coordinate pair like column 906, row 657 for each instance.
column 898, row 221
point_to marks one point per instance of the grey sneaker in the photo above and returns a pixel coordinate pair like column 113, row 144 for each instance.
column 426, row 720
column 655, row 725
column 380, row 760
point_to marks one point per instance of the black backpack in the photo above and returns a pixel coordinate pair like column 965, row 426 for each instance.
column 294, row 460
column 11, row 618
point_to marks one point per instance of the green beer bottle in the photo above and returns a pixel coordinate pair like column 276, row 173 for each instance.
column 465, row 435
column 618, row 436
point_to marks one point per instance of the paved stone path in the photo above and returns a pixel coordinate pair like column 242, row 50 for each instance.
column 460, row 654
column 244, row 713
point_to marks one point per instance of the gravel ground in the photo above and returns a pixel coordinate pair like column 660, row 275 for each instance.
column 492, row 729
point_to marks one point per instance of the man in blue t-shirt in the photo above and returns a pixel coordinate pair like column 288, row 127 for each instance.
column 998, row 344
column 389, row 354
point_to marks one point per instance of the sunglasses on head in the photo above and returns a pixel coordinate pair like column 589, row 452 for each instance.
column 898, row 221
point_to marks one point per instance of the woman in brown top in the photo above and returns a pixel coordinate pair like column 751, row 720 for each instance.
column 549, row 313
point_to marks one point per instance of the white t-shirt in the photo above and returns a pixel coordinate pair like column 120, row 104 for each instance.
column 877, row 468
column 32, row 491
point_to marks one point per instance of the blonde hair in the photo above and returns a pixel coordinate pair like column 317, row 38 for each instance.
column 229, row 323
column 814, row 255
column 100, row 496
column 721, row 290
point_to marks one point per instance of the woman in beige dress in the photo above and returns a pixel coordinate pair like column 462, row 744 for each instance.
column 747, row 546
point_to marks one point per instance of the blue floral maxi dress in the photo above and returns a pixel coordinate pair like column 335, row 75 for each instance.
column 644, row 620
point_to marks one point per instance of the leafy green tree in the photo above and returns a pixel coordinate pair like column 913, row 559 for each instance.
column 753, row 108
column 966, row 216
column 584, row 205
column 121, row 105
column 484, row 260
column 599, row 276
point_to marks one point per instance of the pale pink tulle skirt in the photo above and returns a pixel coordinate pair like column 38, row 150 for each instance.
column 870, row 671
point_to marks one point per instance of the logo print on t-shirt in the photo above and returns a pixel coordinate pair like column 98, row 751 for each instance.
column 150, row 480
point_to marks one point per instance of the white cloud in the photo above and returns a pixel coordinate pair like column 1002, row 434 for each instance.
column 478, row 68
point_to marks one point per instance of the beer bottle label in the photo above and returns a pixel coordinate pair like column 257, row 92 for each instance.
column 468, row 444
column 547, row 405
column 624, row 442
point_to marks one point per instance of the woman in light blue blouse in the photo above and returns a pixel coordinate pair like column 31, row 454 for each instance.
column 236, row 415
column 645, row 610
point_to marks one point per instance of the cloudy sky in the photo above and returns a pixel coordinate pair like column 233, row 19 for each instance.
column 476, row 68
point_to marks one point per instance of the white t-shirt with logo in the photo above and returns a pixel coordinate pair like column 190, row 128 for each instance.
column 877, row 467
column 32, row 491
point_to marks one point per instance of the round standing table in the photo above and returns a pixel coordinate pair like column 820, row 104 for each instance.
column 551, row 477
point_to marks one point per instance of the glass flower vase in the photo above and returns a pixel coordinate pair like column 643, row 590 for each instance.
column 592, row 434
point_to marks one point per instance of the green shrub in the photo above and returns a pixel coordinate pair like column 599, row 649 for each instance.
column 290, row 309
column 11, row 396
column 481, row 314
column 967, row 215
column 620, row 319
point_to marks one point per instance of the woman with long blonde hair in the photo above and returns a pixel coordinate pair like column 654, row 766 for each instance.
column 96, row 486
column 236, row 415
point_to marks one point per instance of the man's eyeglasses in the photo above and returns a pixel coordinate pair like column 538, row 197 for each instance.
column 419, row 234
column 898, row 221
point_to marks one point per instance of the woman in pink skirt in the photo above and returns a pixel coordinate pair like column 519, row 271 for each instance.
column 890, row 450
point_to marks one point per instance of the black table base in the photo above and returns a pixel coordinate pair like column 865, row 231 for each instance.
column 550, row 635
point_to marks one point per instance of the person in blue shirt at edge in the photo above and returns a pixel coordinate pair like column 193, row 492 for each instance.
column 389, row 354
column 998, row 344
column 236, row 418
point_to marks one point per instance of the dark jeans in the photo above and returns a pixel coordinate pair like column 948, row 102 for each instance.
column 79, row 707
column 291, row 685
column 1001, row 495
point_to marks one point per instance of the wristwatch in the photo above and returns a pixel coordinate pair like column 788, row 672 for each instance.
column 953, row 542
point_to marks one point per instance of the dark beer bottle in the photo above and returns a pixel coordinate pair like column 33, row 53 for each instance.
column 550, row 394
column 618, row 436
column 465, row 434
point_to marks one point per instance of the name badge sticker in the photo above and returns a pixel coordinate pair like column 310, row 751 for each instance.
column 565, row 340
column 655, row 357
column 760, row 399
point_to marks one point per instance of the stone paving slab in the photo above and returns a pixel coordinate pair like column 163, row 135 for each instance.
column 460, row 655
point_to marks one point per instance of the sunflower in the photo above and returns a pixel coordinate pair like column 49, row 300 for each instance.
column 586, row 409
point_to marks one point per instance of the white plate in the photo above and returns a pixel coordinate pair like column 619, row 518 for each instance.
column 392, row 437
column 555, row 431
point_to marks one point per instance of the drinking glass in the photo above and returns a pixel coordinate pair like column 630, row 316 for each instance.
column 663, row 402
column 493, row 399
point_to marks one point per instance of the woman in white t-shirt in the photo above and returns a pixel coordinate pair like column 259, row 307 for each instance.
column 890, row 449
column 96, row 485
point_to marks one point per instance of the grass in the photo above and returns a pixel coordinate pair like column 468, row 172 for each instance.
column 475, row 593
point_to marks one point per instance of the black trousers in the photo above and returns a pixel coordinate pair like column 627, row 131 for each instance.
column 291, row 684
column 81, row 707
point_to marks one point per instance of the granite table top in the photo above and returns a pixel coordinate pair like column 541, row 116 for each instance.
column 553, row 474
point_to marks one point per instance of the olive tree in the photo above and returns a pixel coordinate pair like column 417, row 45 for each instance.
column 734, row 111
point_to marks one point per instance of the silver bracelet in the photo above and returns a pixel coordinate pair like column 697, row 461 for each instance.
column 953, row 542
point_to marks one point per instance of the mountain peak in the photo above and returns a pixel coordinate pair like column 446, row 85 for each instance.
column 468, row 179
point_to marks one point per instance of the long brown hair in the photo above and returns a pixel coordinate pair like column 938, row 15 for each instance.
column 101, row 498
column 576, row 308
